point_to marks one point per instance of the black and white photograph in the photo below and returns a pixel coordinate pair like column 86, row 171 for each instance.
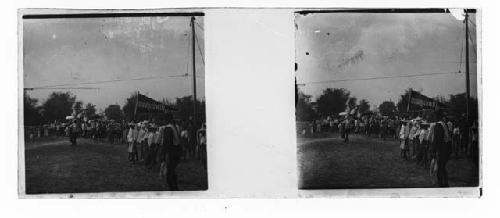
column 387, row 98
column 113, row 102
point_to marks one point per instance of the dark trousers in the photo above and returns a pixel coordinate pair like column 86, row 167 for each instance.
column 72, row 138
column 151, row 156
column 346, row 135
column 174, row 158
column 442, row 174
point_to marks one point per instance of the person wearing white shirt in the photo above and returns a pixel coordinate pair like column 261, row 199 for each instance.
column 150, row 148
column 403, row 136
column 141, row 142
column 132, row 140
column 456, row 140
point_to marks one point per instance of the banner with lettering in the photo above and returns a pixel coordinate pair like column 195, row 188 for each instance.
column 146, row 105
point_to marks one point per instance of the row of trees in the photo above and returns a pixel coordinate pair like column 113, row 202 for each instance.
column 331, row 102
column 57, row 106
column 336, row 100
column 61, row 104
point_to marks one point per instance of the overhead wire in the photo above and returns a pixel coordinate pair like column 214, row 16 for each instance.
column 108, row 81
column 197, row 24
column 63, row 88
column 474, row 44
column 460, row 59
column 379, row 78
column 190, row 85
column 199, row 49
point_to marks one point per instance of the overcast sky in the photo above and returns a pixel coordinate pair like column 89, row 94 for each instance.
column 82, row 50
column 339, row 46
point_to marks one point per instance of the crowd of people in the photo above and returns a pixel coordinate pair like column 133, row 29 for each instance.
column 95, row 129
column 429, row 143
column 160, row 144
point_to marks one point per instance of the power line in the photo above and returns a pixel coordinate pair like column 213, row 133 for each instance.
column 199, row 49
column 470, row 21
column 378, row 78
column 460, row 60
column 197, row 24
column 190, row 85
column 38, row 88
column 474, row 44
column 107, row 81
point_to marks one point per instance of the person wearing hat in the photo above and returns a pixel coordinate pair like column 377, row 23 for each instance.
column 441, row 147
column 413, row 139
column 171, row 151
column 74, row 130
column 383, row 128
column 141, row 140
column 202, row 144
column 132, row 140
column 150, row 147
column 341, row 127
column 404, row 138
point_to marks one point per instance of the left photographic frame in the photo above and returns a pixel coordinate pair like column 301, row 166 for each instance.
column 112, row 101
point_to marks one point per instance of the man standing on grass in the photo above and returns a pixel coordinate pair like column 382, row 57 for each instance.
column 441, row 146
column 171, row 151
column 74, row 130
column 347, row 129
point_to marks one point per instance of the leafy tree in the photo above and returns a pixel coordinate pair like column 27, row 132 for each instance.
column 90, row 110
column 364, row 106
column 332, row 101
column 32, row 115
column 304, row 110
column 457, row 105
column 129, row 107
column 113, row 112
column 351, row 103
column 402, row 105
column 78, row 106
column 387, row 108
column 58, row 106
column 184, row 105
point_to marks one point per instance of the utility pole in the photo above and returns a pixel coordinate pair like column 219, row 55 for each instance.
column 467, row 67
column 194, row 71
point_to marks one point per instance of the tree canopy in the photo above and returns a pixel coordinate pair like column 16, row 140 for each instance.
column 129, row 106
column 58, row 106
column 184, row 106
column 90, row 110
column 332, row 101
column 113, row 112
column 32, row 115
column 364, row 106
column 304, row 110
column 387, row 108
column 352, row 102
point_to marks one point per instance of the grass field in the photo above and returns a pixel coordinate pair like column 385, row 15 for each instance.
column 365, row 162
column 98, row 167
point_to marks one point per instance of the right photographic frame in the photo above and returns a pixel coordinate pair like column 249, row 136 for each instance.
column 388, row 98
